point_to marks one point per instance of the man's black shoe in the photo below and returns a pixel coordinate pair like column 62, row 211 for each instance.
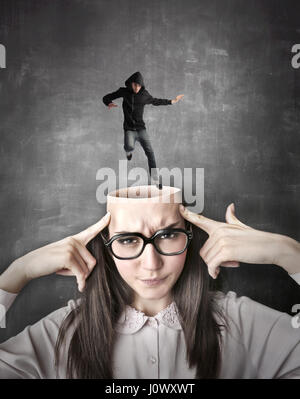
column 129, row 156
column 158, row 183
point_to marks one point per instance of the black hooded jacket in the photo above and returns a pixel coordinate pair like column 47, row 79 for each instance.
column 133, row 103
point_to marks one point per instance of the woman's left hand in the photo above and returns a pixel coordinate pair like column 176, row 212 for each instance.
column 233, row 242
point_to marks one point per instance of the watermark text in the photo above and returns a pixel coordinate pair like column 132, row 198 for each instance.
column 2, row 56
column 296, row 319
column 2, row 316
column 296, row 58
column 189, row 180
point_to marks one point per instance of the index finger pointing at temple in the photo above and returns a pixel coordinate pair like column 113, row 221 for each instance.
column 201, row 221
column 88, row 234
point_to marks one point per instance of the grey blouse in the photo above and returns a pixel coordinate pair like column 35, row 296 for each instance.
column 260, row 343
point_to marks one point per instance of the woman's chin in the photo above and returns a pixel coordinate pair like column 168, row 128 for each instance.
column 152, row 291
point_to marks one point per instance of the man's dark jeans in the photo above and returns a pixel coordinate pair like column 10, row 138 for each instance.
column 131, row 136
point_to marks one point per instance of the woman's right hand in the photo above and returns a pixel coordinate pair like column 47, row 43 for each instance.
column 68, row 257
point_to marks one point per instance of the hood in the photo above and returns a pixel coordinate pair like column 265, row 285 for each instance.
column 137, row 78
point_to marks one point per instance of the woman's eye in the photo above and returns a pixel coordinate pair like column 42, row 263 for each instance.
column 127, row 241
column 168, row 235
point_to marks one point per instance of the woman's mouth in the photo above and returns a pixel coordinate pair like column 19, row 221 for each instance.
column 153, row 281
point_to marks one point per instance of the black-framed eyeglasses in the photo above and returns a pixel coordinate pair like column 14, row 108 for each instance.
column 167, row 242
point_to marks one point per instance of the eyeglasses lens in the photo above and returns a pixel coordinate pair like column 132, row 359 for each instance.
column 127, row 246
column 171, row 242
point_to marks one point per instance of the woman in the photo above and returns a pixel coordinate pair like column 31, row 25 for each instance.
column 147, row 311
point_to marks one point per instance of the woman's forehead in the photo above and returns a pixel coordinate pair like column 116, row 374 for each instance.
column 147, row 219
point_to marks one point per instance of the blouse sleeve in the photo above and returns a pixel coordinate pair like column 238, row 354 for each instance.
column 271, row 339
column 30, row 354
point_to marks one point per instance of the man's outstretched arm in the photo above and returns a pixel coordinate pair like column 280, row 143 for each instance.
column 108, row 98
column 161, row 101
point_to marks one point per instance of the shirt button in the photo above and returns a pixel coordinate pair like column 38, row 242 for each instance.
column 152, row 322
column 152, row 359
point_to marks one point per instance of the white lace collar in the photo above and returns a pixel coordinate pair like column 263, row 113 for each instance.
column 133, row 320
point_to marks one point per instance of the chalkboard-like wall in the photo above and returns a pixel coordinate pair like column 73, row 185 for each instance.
column 239, row 120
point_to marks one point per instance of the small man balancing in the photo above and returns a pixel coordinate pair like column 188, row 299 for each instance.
column 135, row 97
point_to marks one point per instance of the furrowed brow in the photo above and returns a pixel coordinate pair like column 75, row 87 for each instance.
column 170, row 226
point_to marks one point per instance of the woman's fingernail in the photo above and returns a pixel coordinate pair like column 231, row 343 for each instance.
column 107, row 215
column 182, row 208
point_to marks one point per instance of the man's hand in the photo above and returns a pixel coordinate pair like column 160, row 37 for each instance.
column 111, row 105
column 177, row 98
column 233, row 242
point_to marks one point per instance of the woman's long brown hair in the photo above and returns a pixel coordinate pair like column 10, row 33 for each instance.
column 106, row 294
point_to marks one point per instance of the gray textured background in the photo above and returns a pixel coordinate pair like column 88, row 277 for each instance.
column 239, row 120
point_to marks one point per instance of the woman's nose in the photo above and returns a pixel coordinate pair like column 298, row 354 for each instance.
column 150, row 258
